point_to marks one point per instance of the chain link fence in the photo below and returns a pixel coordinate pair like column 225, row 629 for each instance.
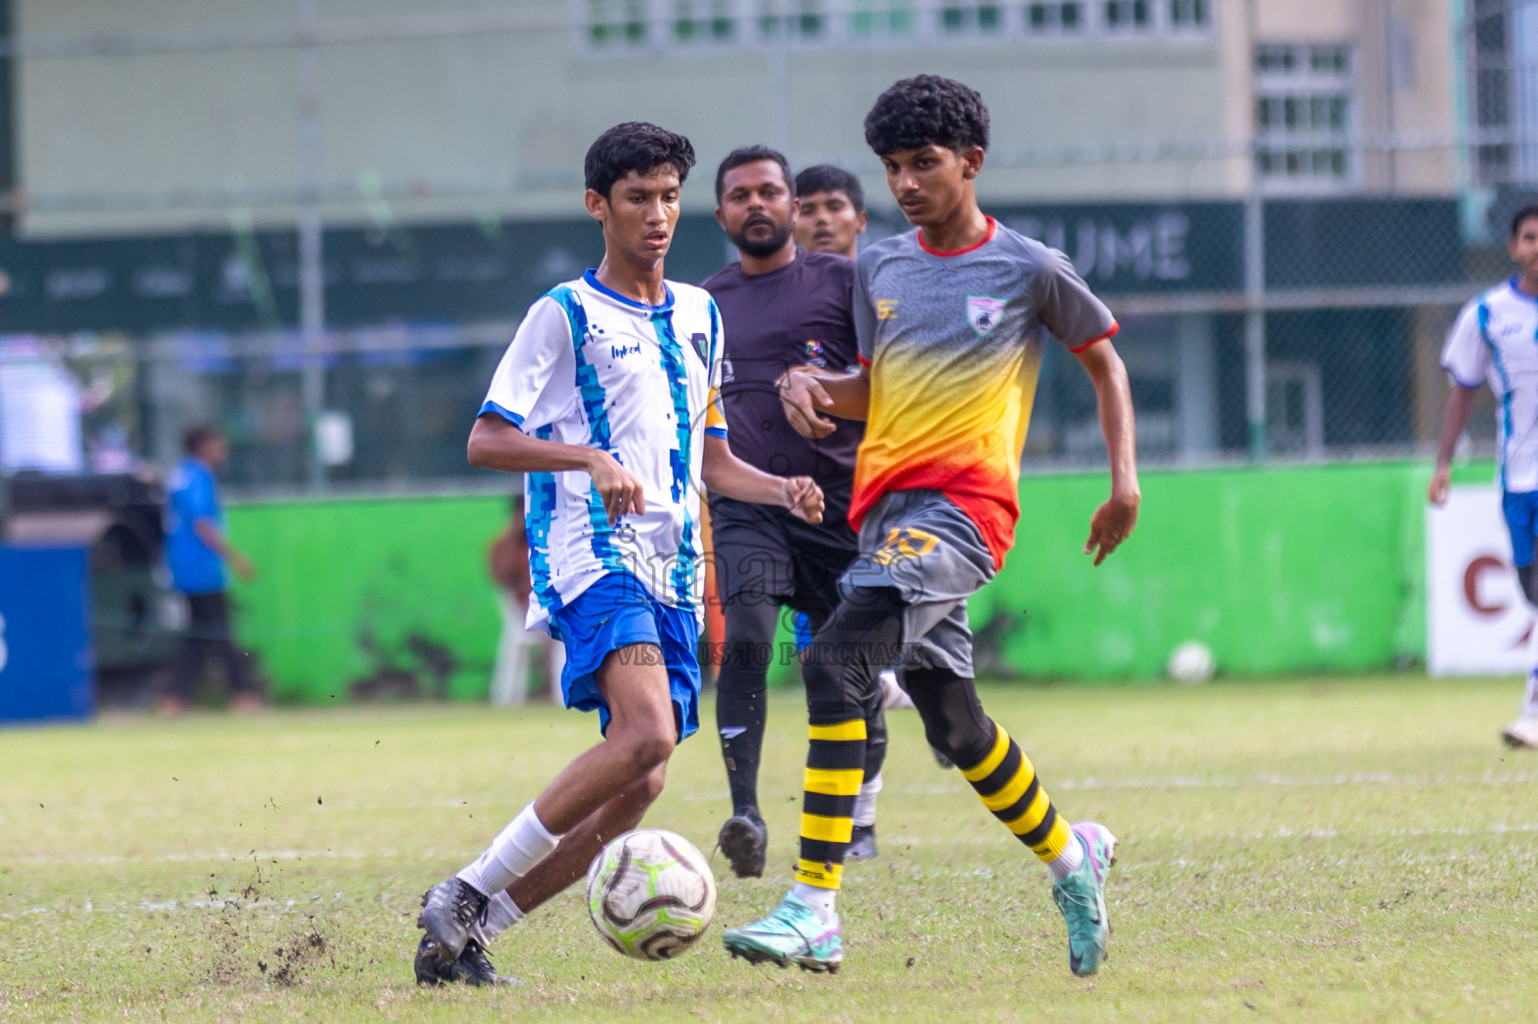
column 1335, row 356
column 1296, row 317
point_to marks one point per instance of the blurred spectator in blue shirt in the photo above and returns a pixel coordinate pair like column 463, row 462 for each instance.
column 198, row 553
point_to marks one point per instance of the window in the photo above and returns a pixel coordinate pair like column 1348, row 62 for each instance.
column 1303, row 114
column 1190, row 14
column 623, row 27
column 1126, row 16
column 1499, row 70
column 1054, row 18
column 616, row 23
column 979, row 17
column 877, row 19
column 700, row 21
column 791, row 19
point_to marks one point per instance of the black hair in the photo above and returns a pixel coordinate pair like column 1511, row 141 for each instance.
column 195, row 437
column 1528, row 212
column 750, row 155
column 634, row 146
column 927, row 110
column 827, row 178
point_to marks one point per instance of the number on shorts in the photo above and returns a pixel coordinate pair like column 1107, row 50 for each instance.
column 904, row 542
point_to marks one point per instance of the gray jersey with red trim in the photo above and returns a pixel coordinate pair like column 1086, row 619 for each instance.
column 952, row 340
column 1001, row 290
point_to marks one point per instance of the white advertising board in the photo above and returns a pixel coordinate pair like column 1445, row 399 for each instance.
column 1477, row 622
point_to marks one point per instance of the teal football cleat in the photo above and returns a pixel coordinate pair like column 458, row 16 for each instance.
column 1081, row 898
column 793, row 934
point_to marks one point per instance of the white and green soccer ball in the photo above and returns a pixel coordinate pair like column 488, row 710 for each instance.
column 650, row 894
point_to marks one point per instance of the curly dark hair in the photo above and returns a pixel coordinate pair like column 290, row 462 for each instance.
column 635, row 146
column 751, row 155
column 927, row 110
column 827, row 178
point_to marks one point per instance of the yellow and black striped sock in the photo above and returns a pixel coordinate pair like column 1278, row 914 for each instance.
column 1007, row 785
column 834, row 772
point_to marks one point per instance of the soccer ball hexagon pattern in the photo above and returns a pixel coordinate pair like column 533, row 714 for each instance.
column 651, row 894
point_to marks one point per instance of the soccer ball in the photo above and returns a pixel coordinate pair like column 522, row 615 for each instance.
column 1191, row 662
column 650, row 894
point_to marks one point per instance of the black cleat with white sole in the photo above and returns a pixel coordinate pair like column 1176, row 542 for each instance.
column 448, row 910
column 744, row 839
column 472, row 967
column 862, row 843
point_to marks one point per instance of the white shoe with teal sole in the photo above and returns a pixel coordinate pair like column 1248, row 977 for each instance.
column 1081, row 898
column 793, row 934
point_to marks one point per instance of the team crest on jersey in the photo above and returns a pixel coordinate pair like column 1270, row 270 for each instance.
column 814, row 353
column 984, row 313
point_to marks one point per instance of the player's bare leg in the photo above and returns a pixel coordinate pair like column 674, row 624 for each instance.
column 578, row 847
column 641, row 735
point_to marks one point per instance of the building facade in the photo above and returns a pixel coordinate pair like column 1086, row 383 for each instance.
column 1273, row 194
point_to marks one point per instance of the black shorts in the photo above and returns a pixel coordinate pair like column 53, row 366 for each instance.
column 766, row 555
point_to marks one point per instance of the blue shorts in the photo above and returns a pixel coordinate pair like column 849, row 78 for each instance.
column 616, row 612
column 803, row 628
column 1522, row 520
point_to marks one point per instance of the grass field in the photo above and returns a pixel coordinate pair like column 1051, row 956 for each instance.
column 1348, row 850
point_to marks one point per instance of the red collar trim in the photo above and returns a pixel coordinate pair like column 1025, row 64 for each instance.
column 992, row 227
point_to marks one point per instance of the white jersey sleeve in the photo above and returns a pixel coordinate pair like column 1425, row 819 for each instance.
column 1466, row 356
column 715, row 414
column 534, row 383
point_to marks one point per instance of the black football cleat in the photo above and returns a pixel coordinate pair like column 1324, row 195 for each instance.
column 448, row 910
column 472, row 968
column 862, row 843
column 745, row 841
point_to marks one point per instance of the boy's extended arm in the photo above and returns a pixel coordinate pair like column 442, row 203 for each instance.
column 497, row 444
column 213, row 538
column 725, row 474
column 1113, row 521
column 1459, row 404
column 810, row 395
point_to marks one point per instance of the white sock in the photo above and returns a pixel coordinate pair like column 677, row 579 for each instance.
column 1069, row 860
column 501, row 914
column 524, row 843
column 865, row 803
column 893, row 696
column 1530, row 697
column 819, row 899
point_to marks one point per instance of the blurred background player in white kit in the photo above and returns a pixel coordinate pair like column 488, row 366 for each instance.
column 519, row 647
column 1492, row 343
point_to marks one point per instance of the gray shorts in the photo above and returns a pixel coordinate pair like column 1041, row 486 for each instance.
column 924, row 546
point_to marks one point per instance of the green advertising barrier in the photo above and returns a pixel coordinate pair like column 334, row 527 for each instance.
column 386, row 597
column 1278, row 569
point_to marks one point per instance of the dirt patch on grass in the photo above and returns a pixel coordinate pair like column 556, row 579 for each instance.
column 290, row 959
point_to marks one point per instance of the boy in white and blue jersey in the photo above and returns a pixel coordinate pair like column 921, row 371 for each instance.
column 1495, row 342
column 605, row 402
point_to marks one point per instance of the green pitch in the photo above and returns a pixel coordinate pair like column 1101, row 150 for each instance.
column 1346, row 850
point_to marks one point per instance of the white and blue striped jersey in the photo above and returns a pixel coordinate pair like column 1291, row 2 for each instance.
column 1495, row 342
column 590, row 367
